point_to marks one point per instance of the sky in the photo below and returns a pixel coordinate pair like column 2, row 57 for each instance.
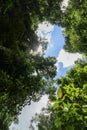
column 28, row 112
column 56, row 41
column 53, row 34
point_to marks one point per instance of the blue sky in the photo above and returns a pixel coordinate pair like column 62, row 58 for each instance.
column 65, row 61
column 56, row 41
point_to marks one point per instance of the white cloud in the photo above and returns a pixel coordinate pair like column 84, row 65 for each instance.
column 28, row 112
column 44, row 30
column 45, row 27
column 67, row 58
column 64, row 4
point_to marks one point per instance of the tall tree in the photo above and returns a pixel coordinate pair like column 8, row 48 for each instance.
column 22, row 74
column 70, row 108
column 75, row 23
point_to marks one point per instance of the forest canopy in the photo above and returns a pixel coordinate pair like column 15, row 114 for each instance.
column 69, row 111
column 24, row 76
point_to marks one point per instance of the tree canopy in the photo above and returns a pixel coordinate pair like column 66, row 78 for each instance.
column 24, row 75
column 71, row 107
column 69, row 111
column 75, row 26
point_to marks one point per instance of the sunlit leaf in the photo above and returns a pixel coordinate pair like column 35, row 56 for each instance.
column 60, row 93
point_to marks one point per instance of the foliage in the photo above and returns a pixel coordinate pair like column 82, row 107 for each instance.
column 71, row 108
column 4, row 121
column 44, row 120
column 69, row 111
column 23, row 74
column 75, row 26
